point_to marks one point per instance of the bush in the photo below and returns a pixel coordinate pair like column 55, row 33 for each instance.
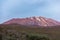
column 37, row 37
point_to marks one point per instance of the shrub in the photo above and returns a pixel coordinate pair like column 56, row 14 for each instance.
column 37, row 37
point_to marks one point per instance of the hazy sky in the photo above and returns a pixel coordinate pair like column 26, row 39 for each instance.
column 26, row 8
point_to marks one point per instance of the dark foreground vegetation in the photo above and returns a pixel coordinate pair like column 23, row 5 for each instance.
column 19, row 32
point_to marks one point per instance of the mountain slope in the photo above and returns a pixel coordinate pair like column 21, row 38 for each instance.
column 39, row 21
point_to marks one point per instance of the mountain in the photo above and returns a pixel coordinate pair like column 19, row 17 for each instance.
column 38, row 21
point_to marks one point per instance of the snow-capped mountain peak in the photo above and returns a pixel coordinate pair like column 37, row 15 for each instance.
column 39, row 21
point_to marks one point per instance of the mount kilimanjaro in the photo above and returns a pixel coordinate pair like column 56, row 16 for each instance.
column 38, row 21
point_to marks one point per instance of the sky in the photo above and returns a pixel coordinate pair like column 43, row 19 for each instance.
column 27, row 8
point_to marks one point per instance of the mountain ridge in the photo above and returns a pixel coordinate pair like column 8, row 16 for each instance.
column 39, row 21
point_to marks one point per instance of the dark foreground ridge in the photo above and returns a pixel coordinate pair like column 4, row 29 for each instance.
column 22, row 32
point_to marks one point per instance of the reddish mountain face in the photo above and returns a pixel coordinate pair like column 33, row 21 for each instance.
column 39, row 21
